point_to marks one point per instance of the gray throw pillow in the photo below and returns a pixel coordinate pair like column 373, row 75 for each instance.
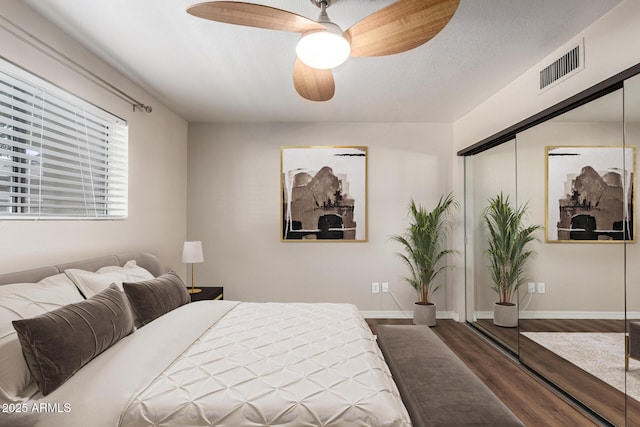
column 151, row 299
column 58, row 343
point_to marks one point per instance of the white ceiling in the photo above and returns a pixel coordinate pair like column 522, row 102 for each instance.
column 212, row 72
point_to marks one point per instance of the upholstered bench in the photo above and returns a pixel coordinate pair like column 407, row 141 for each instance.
column 437, row 388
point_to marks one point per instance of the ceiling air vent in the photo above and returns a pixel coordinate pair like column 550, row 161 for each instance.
column 562, row 68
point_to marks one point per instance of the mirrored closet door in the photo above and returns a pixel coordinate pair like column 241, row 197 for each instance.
column 632, row 255
column 487, row 175
column 578, row 312
column 571, row 170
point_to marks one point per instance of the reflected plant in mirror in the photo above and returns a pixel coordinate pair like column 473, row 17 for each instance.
column 508, row 253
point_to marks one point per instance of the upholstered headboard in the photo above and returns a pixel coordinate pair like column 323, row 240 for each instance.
column 147, row 261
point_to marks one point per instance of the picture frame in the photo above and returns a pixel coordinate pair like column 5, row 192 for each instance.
column 590, row 194
column 323, row 193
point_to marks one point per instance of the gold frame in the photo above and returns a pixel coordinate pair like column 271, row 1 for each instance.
column 358, row 185
column 547, row 195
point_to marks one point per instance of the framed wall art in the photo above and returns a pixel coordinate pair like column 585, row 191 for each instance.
column 590, row 194
column 324, row 193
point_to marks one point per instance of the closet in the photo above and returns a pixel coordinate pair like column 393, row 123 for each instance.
column 574, row 166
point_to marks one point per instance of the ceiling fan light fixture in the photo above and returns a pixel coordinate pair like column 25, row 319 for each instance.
column 398, row 27
column 323, row 49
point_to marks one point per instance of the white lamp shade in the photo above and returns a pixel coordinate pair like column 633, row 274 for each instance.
column 192, row 252
column 323, row 49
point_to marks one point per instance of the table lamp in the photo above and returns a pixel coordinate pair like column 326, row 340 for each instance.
column 191, row 254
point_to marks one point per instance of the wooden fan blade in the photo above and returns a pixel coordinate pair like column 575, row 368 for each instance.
column 399, row 27
column 313, row 84
column 253, row 15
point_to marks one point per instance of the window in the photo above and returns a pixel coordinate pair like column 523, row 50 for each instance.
column 60, row 157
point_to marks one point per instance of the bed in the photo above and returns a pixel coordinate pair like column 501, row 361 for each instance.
column 222, row 363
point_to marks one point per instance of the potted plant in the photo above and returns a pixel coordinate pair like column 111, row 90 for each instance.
column 508, row 254
column 424, row 242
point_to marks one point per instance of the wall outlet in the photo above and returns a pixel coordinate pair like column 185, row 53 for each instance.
column 385, row 287
column 375, row 287
column 532, row 288
column 541, row 288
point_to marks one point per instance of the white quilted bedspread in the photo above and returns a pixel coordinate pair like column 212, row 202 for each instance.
column 276, row 365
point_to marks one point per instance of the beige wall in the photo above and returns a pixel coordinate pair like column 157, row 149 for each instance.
column 234, row 208
column 157, row 163
column 610, row 47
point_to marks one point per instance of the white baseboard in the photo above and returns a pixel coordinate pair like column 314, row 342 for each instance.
column 615, row 315
column 391, row 314
column 448, row 315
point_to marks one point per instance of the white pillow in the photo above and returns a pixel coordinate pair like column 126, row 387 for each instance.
column 91, row 283
column 21, row 301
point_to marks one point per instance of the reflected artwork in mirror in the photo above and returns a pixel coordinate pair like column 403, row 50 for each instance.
column 576, row 172
column 590, row 194
column 573, row 334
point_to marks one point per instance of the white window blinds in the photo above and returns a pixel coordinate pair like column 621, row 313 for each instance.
column 60, row 157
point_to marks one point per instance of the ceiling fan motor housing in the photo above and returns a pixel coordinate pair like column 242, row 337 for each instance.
column 318, row 3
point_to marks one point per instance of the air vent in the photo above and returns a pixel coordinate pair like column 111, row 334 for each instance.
column 562, row 68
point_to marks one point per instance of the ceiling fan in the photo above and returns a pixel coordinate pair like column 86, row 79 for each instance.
column 323, row 45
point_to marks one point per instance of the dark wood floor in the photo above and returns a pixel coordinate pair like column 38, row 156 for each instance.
column 533, row 401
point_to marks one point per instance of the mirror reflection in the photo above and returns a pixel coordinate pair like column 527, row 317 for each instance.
column 632, row 267
column 487, row 176
column 573, row 331
column 578, row 312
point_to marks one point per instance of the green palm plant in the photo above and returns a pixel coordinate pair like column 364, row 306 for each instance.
column 508, row 246
column 424, row 242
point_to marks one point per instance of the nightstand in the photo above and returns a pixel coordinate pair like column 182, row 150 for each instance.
column 208, row 292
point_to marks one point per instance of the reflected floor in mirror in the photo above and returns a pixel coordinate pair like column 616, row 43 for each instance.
column 585, row 357
column 506, row 337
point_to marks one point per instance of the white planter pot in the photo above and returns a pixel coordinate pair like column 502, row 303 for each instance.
column 505, row 315
column 424, row 314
